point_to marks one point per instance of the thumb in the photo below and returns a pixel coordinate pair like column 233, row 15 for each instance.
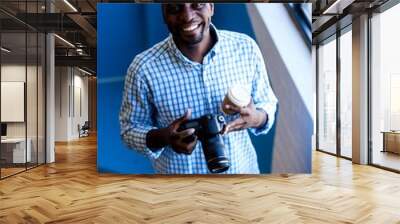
column 184, row 118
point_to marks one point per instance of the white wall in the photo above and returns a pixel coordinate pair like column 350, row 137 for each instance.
column 79, row 117
column 33, row 127
column 291, row 47
column 71, row 93
column 62, row 82
column 288, row 61
column 12, row 73
column 314, row 112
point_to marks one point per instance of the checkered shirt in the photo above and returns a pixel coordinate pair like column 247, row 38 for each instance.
column 161, row 84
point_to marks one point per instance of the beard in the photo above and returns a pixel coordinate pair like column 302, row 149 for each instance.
column 189, row 40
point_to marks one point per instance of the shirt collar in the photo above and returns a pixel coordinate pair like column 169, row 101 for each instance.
column 207, row 58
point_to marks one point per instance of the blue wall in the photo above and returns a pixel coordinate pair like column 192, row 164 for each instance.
column 124, row 30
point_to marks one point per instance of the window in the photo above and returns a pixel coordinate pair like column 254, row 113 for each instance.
column 346, row 93
column 327, row 96
column 385, row 88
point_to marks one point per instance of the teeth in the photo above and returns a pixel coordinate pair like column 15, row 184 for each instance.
column 191, row 28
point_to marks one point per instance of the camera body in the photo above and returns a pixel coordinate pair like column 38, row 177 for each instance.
column 208, row 130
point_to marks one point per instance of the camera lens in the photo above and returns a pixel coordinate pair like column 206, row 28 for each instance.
column 219, row 166
column 208, row 129
column 214, row 151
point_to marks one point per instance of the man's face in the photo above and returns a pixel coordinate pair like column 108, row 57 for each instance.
column 188, row 22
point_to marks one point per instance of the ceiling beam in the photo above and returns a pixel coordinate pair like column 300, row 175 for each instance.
column 84, row 24
column 82, row 61
column 337, row 7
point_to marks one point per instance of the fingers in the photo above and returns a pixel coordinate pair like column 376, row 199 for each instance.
column 183, row 141
column 240, row 110
column 235, row 125
column 245, row 119
column 236, row 122
column 238, row 126
column 233, row 108
column 186, row 116
column 179, row 121
column 190, row 147
column 185, row 133
column 181, row 146
column 225, row 129
column 182, row 135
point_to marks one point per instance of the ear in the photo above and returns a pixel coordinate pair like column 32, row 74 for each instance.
column 212, row 8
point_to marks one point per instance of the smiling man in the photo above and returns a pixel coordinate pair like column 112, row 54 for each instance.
column 186, row 76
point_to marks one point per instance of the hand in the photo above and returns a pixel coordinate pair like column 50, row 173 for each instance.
column 250, row 117
column 182, row 141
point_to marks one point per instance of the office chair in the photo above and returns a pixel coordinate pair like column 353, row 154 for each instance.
column 84, row 130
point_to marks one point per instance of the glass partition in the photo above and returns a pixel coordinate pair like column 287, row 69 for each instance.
column 32, row 86
column 13, row 105
column 385, row 89
column 41, row 87
column 32, row 95
column 22, row 88
column 327, row 96
column 346, row 93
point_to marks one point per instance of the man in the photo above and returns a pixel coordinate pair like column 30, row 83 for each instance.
column 187, row 76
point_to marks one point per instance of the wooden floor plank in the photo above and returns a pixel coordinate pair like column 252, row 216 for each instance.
column 71, row 191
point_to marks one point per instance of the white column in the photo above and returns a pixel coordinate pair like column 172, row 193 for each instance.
column 50, row 93
column 360, row 90
column 314, row 96
column 50, row 110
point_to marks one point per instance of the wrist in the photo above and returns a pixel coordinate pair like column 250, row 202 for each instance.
column 157, row 139
column 165, row 137
column 262, row 117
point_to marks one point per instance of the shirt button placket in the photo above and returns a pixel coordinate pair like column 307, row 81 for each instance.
column 207, row 85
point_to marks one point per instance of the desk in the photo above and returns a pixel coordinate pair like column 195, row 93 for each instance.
column 13, row 150
column 391, row 141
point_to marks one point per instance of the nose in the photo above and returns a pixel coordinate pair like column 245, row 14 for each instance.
column 186, row 14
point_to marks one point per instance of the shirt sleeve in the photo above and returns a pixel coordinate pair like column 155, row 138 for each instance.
column 136, row 112
column 262, row 93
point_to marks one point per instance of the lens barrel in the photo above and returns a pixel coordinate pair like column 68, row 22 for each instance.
column 214, row 151
column 213, row 145
column 208, row 129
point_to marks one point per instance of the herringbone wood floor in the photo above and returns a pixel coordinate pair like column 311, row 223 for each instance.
column 71, row 191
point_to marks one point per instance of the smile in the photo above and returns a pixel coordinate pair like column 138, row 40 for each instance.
column 191, row 27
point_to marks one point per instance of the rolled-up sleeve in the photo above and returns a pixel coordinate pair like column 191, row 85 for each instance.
column 136, row 112
column 262, row 93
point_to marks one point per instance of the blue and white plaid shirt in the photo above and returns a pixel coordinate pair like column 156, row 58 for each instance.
column 161, row 84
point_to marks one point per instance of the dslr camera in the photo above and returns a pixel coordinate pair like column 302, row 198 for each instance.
column 208, row 130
